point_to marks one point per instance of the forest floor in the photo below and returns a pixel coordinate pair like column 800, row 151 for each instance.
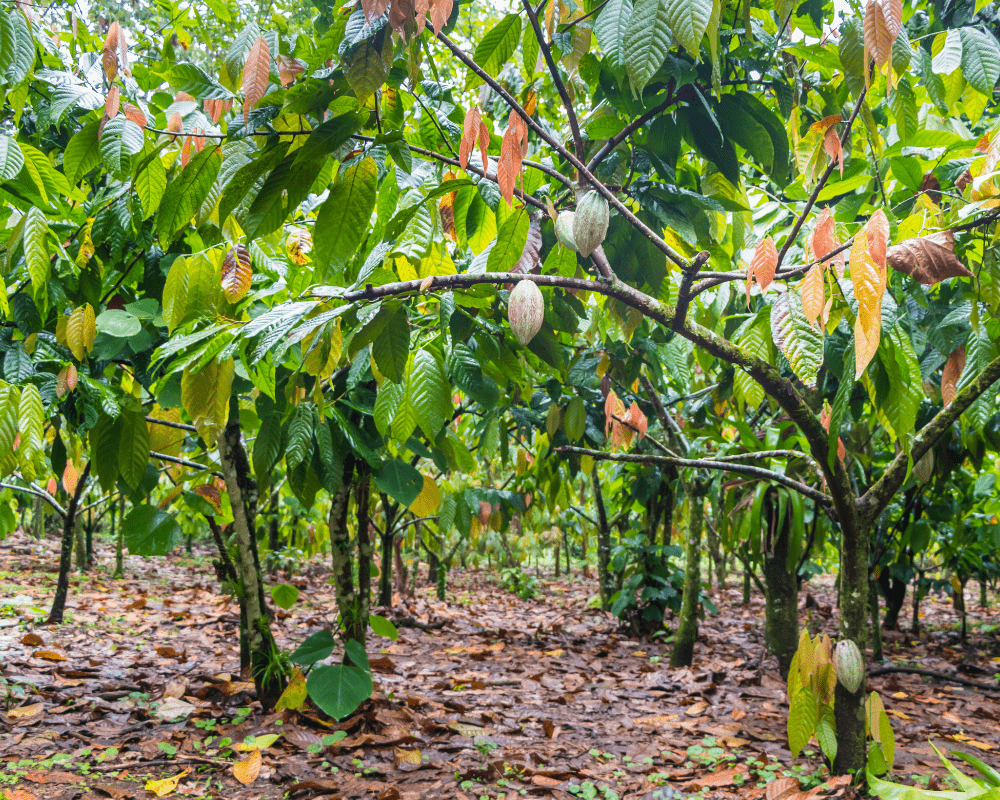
column 508, row 698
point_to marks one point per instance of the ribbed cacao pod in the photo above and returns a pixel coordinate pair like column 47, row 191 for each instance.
column 525, row 311
column 849, row 665
column 564, row 229
column 590, row 223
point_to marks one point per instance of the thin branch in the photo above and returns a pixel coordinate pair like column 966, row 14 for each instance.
column 822, row 182
column 183, row 462
column 38, row 493
column 629, row 129
column 574, row 124
column 701, row 463
column 585, row 173
column 587, row 517
column 168, row 424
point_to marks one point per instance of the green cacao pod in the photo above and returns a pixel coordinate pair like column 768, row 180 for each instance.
column 564, row 229
column 525, row 311
column 590, row 224
column 849, row 665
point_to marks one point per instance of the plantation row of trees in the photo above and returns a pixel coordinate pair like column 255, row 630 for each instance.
column 259, row 267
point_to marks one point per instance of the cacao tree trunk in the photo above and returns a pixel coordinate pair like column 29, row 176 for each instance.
column 877, row 655
column 358, row 628
column 387, row 543
column 687, row 628
column 604, row 579
column 268, row 679
column 119, row 537
column 38, row 518
column 79, row 536
column 229, row 580
column 781, row 615
column 66, row 552
column 340, row 546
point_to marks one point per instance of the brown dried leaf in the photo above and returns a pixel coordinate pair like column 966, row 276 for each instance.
column 32, row 640
column 952, row 372
column 289, row 69
column 48, row 655
column 927, row 259
column 237, row 272
column 24, row 712
column 374, row 8
column 781, row 788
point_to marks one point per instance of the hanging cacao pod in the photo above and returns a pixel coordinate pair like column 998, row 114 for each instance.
column 564, row 229
column 590, row 225
column 525, row 310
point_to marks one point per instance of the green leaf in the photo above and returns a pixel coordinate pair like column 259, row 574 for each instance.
column 133, row 448
column 391, row 347
column 798, row 341
column 117, row 323
column 36, row 254
column 980, row 60
column 150, row 182
column 83, row 152
column 979, row 351
column 387, row 402
column 610, row 27
column 9, row 399
column 510, row 243
column 852, row 54
column 21, row 55
column 367, row 71
column 383, row 627
column 284, row 595
column 119, row 141
column 802, row 718
column 186, row 192
column 11, row 158
column 104, row 450
column 826, row 734
column 315, row 648
column 339, row 690
column 575, row 419
column 647, row 41
column 299, row 445
column 401, row 481
column 344, row 217
column 190, row 78
column 150, row 531
column 427, row 389
column 49, row 181
column 688, row 19
column 753, row 342
column 30, row 422
column 496, row 47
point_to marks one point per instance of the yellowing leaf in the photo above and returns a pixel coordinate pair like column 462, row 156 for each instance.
column 247, row 770
column 48, row 655
column 26, row 711
column 164, row 787
column 295, row 693
column 256, row 742
column 428, row 500
column 237, row 272
column 813, row 293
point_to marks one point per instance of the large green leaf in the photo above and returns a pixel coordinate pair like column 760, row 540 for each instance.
column 315, row 648
column 150, row 531
column 133, row 448
column 343, row 220
column 391, row 347
column 647, row 41
column 497, row 46
column 401, row 481
column 427, row 389
column 980, row 60
column 688, row 19
column 338, row 690
column 610, row 27
column 798, row 341
column 510, row 243
column 190, row 78
column 11, row 158
column 36, row 253
column 186, row 192
column 120, row 140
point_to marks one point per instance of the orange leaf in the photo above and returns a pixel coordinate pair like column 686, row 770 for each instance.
column 186, row 151
column 134, row 114
column 32, row 640
column 764, row 263
column 374, row 8
column 613, row 407
column 952, row 372
column 878, row 40
column 813, row 293
column 509, row 164
column 865, row 344
column 237, row 272
column 70, row 478
column 247, row 770
column 638, row 419
column 176, row 123
column 113, row 42
column 824, row 240
column 440, row 11
column 869, row 284
column 824, row 418
column 823, row 125
column 48, row 655
column 831, row 143
column 211, row 493
column 255, row 75
column 112, row 103
column 470, row 130
column 877, row 232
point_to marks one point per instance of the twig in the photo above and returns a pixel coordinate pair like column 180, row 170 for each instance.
column 168, row 424
column 929, row 673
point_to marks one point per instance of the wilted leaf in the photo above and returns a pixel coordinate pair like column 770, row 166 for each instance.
column 927, row 259
column 247, row 770
column 48, row 655
column 26, row 711
column 255, row 75
column 237, row 273
column 164, row 787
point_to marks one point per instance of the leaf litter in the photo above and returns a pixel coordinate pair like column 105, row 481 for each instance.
column 497, row 696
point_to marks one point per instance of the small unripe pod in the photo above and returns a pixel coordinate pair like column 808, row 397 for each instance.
column 590, row 225
column 564, row 229
column 525, row 311
column 849, row 665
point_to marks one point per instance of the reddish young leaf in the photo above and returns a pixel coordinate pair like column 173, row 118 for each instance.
column 613, row 407
column 237, row 272
column 288, row 70
column 421, row 7
column 134, row 114
column 470, row 131
column 831, row 143
column 109, row 54
column 112, row 103
column 70, row 477
column 877, row 232
column 199, row 139
column 638, row 419
column 484, row 142
column 509, row 164
column 764, row 263
column 824, row 240
column 176, row 123
column 374, row 8
column 440, row 11
column 952, row 372
column 878, row 40
column 186, row 150
column 402, row 14
column 892, row 11
column 255, row 76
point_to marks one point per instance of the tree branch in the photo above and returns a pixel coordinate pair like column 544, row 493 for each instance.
column 168, row 424
column 32, row 489
column 629, row 129
column 702, row 463
column 878, row 496
column 822, row 182
column 183, row 462
column 585, row 173
column 574, row 124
